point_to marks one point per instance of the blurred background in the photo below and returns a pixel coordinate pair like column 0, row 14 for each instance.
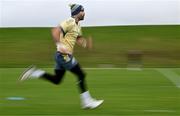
column 120, row 28
column 137, row 34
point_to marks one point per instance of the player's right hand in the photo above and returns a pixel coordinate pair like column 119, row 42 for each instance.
column 61, row 48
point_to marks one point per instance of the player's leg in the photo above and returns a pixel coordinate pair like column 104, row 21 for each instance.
column 59, row 70
column 34, row 73
column 71, row 64
column 86, row 100
column 56, row 78
column 81, row 77
column 31, row 72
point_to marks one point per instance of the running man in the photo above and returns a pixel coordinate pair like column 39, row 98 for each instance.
column 65, row 35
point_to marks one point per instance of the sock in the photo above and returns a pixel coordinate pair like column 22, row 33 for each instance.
column 85, row 96
column 37, row 73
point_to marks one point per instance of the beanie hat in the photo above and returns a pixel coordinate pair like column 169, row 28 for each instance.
column 75, row 9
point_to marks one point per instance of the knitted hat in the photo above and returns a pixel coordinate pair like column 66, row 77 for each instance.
column 75, row 9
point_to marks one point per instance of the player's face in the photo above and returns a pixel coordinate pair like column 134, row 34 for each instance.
column 81, row 15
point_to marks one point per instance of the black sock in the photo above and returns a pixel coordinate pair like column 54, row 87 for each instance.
column 56, row 79
column 81, row 77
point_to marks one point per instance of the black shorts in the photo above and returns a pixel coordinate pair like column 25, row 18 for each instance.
column 64, row 61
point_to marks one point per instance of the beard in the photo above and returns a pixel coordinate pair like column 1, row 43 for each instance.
column 81, row 18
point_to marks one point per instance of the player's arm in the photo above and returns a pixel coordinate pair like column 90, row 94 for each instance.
column 56, row 31
column 84, row 42
column 56, row 35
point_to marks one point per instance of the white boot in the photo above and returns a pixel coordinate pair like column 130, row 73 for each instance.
column 31, row 72
column 88, row 102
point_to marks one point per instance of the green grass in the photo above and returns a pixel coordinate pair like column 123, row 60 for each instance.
column 20, row 47
column 126, row 92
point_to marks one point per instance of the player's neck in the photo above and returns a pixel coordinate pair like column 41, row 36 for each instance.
column 76, row 19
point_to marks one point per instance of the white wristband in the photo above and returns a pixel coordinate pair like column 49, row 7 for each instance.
column 62, row 48
column 58, row 45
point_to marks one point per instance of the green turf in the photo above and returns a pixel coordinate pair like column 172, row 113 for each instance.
column 126, row 92
column 20, row 47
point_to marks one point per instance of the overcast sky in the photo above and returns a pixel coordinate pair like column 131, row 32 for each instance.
column 45, row 13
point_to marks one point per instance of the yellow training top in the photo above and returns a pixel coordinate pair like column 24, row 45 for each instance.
column 71, row 31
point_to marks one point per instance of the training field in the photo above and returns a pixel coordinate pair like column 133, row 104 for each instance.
column 136, row 92
column 20, row 47
column 151, row 91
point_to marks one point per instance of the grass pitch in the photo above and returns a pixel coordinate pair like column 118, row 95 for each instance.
column 159, row 45
column 145, row 92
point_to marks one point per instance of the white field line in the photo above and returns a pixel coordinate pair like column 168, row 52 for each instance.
column 128, row 68
column 137, row 69
column 159, row 111
column 110, row 68
column 169, row 74
column 103, row 68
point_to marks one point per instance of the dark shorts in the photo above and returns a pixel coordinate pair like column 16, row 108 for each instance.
column 64, row 61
